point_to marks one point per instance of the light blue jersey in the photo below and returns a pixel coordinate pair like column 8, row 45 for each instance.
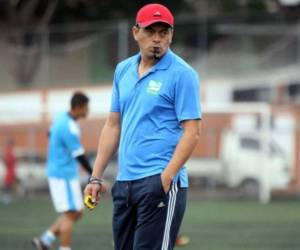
column 151, row 109
column 63, row 147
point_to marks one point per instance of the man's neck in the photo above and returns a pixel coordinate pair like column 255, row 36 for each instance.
column 146, row 64
column 72, row 115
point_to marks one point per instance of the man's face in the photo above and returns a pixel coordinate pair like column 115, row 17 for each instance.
column 153, row 40
column 82, row 111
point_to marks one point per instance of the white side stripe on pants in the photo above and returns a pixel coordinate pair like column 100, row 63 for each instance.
column 170, row 214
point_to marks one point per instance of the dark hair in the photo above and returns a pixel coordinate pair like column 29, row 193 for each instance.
column 79, row 99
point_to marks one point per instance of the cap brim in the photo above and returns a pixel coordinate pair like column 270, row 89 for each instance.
column 146, row 24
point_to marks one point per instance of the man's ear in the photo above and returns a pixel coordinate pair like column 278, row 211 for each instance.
column 135, row 31
column 171, row 38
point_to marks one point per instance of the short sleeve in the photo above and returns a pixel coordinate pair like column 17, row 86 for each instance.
column 115, row 105
column 187, row 96
column 72, row 139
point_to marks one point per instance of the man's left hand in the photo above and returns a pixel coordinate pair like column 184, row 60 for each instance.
column 166, row 182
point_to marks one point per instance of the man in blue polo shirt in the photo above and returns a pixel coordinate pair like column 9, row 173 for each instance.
column 154, row 122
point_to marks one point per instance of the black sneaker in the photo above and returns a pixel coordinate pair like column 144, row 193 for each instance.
column 39, row 244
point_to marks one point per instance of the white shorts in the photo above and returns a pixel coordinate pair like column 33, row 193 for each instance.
column 66, row 194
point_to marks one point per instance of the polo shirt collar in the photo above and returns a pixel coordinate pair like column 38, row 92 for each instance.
column 164, row 62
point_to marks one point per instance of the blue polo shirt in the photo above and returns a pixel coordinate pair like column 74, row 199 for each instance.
column 63, row 148
column 151, row 108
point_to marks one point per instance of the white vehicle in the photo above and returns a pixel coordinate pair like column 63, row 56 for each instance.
column 204, row 171
column 244, row 161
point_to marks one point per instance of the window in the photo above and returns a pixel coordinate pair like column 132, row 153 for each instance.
column 250, row 143
column 263, row 94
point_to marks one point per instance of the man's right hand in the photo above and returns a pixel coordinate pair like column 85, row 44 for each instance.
column 95, row 190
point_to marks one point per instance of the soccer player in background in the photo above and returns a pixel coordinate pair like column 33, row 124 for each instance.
column 64, row 152
column 155, row 124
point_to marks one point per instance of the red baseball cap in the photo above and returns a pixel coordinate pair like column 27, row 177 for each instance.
column 154, row 13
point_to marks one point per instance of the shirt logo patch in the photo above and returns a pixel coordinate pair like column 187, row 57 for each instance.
column 154, row 87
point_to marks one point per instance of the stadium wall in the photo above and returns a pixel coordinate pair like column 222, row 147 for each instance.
column 25, row 117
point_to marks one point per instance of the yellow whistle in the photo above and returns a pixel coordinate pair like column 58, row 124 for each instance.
column 88, row 202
